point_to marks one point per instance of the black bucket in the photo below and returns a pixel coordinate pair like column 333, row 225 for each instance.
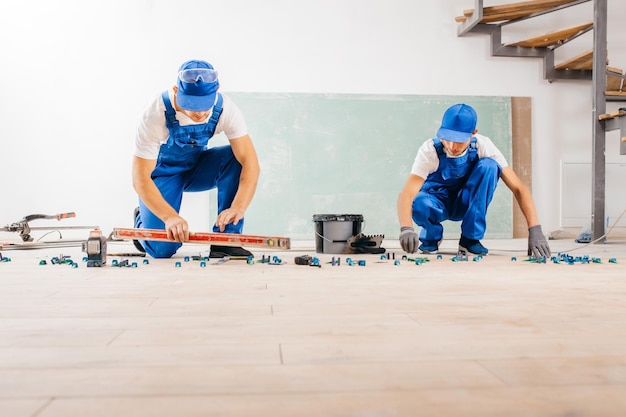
column 332, row 231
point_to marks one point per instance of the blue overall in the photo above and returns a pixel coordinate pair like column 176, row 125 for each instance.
column 460, row 190
column 186, row 163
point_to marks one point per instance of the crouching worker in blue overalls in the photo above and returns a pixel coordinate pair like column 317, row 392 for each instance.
column 172, row 156
column 454, row 177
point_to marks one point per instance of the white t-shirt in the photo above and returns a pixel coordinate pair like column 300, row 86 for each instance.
column 152, row 131
column 427, row 161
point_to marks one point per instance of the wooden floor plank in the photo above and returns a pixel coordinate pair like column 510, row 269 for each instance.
column 487, row 338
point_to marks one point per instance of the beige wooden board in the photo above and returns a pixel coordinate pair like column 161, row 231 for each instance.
column 553, row 38
column 521, row 156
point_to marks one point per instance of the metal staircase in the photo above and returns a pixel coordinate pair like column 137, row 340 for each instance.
column 591, row 65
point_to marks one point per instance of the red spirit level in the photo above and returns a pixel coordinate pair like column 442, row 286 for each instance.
column 225, row 239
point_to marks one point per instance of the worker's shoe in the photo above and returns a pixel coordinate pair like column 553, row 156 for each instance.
column 136, row 242
column 230, row 251
column 429, row 246
column 472, row 246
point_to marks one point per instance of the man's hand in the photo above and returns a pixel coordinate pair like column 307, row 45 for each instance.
column 230, row 215
column 409, row 240
column 537, row 244
column 177, row 228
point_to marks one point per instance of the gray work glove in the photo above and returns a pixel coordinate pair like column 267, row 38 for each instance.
column 409, row 240
column 537, row 244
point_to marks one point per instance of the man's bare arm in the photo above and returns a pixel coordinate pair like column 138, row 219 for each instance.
column 245, row 153
column 176, row 226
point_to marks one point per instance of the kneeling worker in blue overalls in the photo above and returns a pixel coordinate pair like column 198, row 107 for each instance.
column 172, row 156
column 454, row 177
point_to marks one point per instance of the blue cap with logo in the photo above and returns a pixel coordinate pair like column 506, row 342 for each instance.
column 197, row 86
column 458, row 124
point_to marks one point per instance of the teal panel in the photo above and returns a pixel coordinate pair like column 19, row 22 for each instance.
column 350, row 153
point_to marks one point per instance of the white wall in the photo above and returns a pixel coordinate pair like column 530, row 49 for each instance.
column 75, row 76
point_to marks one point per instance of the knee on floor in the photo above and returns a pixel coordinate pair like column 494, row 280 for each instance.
column 161, row 249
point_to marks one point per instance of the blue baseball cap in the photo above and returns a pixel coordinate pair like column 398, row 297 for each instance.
column 459, row 123
column 197, row 85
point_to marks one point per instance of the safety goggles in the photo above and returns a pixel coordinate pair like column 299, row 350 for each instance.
column 194, row 75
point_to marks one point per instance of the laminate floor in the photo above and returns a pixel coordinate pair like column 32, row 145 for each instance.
column 486, row 337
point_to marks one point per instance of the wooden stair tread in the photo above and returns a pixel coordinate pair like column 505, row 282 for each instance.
column 512, row 11
column 583, row 61
column 552, row 38
column 616, row 113
column 614, row 81
column 615, row 93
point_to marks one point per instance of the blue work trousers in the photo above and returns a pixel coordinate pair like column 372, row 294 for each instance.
column 215, row 167
column 466, row 202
